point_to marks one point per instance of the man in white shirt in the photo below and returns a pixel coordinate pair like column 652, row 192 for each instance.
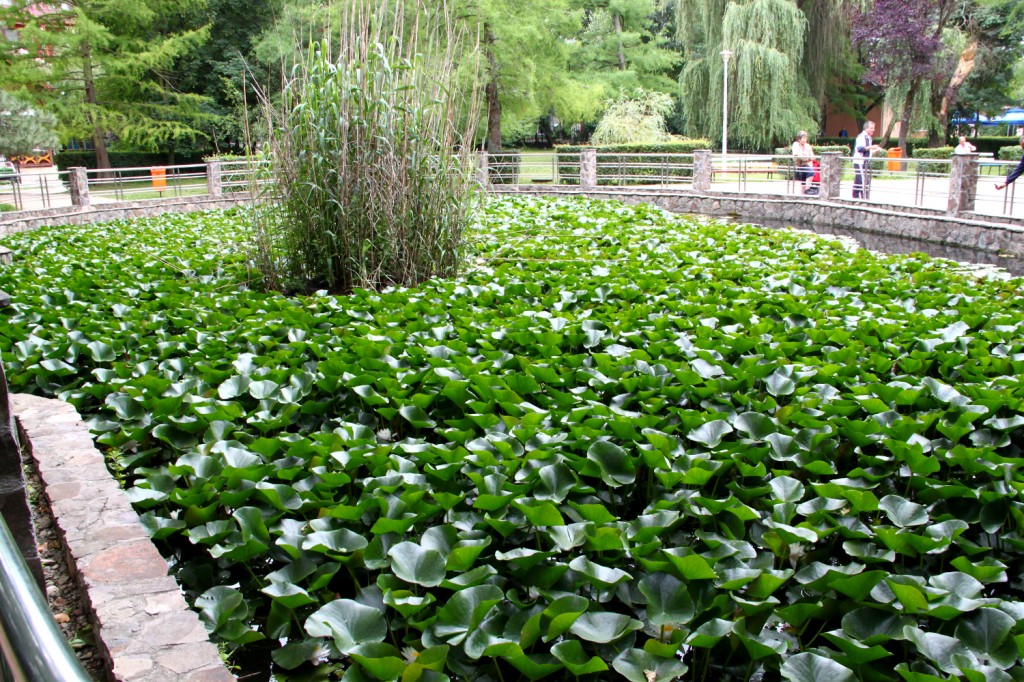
column 862, row 150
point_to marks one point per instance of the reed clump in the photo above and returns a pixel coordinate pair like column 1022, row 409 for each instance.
column 370, row 152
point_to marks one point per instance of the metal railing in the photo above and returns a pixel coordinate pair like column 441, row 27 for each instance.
column 922, row 183
column 32, row 646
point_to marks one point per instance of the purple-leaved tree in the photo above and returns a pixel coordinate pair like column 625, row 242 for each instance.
column 900, row 43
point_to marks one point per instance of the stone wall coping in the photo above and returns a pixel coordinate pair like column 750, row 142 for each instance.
column 143, row 626
column 23, row 221
column 975, row 219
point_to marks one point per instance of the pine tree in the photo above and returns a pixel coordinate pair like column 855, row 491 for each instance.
column 104, row 69
column 624, row 49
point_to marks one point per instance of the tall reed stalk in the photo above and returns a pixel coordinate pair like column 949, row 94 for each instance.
column 370, row 149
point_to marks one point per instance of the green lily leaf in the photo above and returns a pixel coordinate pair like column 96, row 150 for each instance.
column 808, row 667
column 415, row 564
column 603, row 627
column 616, row 466
column 348, row 623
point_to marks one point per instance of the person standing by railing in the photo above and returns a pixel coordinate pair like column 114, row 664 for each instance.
column 862, row 150
column 803, row 154
column 964, row 147
column 1015, row 173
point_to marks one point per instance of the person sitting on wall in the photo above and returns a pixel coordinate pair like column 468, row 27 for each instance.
column 803, row 154
column 1015, row 173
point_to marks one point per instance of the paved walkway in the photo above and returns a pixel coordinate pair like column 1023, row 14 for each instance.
column 42, row 188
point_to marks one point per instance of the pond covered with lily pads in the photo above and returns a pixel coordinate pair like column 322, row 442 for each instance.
column 624, row 444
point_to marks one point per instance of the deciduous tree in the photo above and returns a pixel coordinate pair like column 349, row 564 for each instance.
column 23, row 128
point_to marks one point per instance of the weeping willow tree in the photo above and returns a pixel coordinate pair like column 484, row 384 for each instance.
column 769, row 95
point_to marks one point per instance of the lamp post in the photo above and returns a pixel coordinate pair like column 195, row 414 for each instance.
column 726, row 54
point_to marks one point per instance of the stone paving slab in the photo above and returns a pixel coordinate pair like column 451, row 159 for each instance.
column 142, row 623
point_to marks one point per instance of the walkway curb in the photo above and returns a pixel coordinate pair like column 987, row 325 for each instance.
column 143, row 626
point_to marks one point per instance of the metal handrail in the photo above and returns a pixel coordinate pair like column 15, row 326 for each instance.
column 33, row 648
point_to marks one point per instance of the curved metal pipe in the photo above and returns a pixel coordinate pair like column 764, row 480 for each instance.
column 31, row 644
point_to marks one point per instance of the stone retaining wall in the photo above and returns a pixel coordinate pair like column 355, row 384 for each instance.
column 968, row 230
column 22, row 221
column 141, row 622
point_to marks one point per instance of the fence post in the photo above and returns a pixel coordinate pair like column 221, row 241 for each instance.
column 963, row 184
column 702, row 170
column 13, row 501
column 482, row 171
column 831, row 173
column 588, row 168
column 214, row 180
column 78, row 183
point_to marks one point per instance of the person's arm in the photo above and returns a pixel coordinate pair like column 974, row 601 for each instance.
column 1014, row 174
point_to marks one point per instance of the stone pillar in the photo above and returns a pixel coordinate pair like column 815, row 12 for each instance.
column 963, row 184
column 214, row 179
column 831, row 173
column 588, row 168
column 13, row 501
column 482, row 172
column 702, row 170
column 78, row 183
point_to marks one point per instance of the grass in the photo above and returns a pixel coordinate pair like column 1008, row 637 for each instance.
column 143, row 188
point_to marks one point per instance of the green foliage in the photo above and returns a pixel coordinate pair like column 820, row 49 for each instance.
column 932, row 152
column 621, row 47
column 637, row 119
column 24, row 128
column 1009, row 153
column 69, row 158
column 769, row 100
column 106, row 69
column 368, row 190
column 624, row 440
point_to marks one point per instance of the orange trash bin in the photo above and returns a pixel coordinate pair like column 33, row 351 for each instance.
column 159, row 176
column 895, row 153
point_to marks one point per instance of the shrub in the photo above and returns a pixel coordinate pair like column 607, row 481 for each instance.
column 615, row 165
column 1009, row 153
column 369, row 192
column 8, row 207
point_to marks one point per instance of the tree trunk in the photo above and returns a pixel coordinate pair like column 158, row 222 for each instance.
column 908, row 110
column 943, row 100
column 617, row 23
column 99, row 140
column 493, row 141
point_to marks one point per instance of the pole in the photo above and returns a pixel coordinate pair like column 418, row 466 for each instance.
column 726, row 54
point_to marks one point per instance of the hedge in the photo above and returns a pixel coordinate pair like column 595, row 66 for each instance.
column 932, row 153
column 614, row 160
column 1009, row 153
column 66, row 159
